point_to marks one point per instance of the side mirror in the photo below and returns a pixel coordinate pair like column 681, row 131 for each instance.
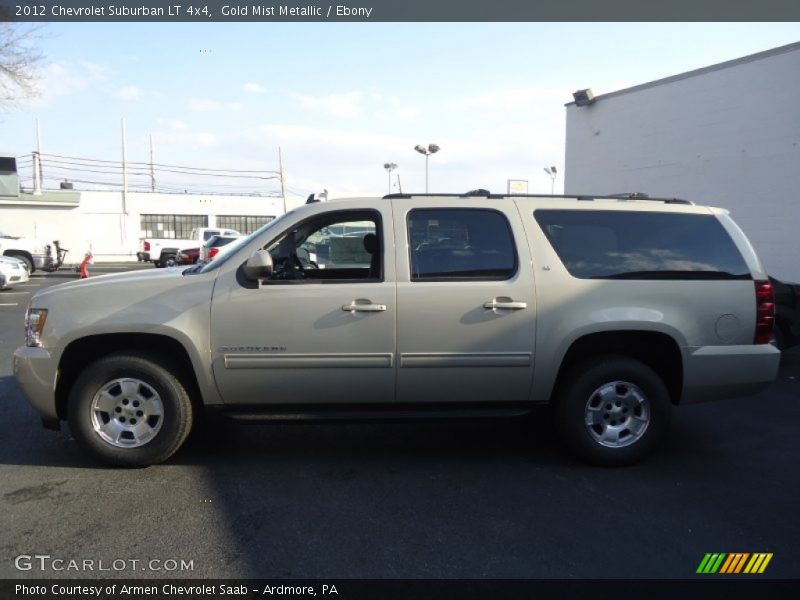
column 258, row 266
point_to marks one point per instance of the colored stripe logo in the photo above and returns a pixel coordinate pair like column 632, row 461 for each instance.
column 734, row 563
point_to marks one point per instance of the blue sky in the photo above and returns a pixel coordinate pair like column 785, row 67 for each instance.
column 342, row 99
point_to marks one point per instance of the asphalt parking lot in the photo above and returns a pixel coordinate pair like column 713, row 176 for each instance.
column 465, row 499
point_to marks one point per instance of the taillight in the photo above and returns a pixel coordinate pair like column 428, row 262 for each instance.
column 765, row 312
column 212, row 253
column 147, row 246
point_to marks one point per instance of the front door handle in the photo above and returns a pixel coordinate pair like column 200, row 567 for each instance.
column 504, row 303
column 363, row 306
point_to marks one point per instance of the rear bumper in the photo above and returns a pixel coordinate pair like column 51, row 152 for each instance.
column 143, row 256
column 718, row 372
column 35, row 372
column 42, row 261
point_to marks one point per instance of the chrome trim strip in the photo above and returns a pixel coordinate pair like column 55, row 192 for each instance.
column 308, row 361
column 466, row 359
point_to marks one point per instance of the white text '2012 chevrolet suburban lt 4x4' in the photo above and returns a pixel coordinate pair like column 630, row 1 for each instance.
column 612, row 310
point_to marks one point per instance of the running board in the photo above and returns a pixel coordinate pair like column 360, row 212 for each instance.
column 370, row 413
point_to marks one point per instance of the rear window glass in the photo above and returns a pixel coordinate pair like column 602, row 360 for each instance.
column 460, row 244
column 596, row 244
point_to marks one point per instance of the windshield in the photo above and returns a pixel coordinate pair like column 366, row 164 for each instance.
column 234, row 248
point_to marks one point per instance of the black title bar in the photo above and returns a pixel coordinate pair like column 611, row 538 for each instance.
column 398, row 10
column 416, row 589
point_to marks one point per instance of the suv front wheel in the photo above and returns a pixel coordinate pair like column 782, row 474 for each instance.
column 128, row 411
column 612, row 410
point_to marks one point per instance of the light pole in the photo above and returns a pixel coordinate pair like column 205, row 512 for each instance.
column 552, row 173
column 390, row 166
column 431, row 149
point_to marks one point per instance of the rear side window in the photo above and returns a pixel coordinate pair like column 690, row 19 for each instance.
column 596, row 244
column 460, row 244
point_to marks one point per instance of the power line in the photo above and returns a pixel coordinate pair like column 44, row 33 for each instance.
column 147, row 164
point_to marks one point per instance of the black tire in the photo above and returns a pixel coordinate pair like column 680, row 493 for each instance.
column 177, row 410
column 167, row 260
column 577, row 389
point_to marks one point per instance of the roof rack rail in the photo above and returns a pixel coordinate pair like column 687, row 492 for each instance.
column 487, row 194
column 469, row 194
column 643, row 196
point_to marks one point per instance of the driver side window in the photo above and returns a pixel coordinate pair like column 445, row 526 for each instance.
column 332, row 247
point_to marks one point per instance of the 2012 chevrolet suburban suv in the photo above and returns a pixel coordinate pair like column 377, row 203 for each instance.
column 611, row 310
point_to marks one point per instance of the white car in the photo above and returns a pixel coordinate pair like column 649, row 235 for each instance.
column 12, row 271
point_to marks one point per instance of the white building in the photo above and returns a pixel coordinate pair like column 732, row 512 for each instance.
column 726, row 135
column 98, row 221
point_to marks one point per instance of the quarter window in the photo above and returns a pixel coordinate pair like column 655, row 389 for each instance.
column 596, row 244
column 460, row 244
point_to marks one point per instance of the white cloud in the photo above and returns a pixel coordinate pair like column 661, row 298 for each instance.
column 401, row 113
column 208, row 105
column 187, row 138
column 204, row 105
column 254, row 88
column 172, row 123
column 60, row 79
column 344, row 106
column 129, row 93
column 94, row 70
column 514, row 98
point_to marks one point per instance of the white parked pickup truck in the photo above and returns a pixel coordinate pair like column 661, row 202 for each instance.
column 162, row 252
column 31, row 252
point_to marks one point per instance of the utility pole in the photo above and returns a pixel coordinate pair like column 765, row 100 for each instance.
column 39, row 154
column 37, row 184
column 123, row 222
column 124, row 171
column 280, row 166
column 152, row 171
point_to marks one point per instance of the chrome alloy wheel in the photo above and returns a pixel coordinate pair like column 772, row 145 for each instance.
column 617, row 414
column 127, row 413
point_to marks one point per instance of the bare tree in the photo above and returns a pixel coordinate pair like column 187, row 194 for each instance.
column 19, row 63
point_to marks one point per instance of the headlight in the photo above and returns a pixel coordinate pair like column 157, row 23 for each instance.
column 34, row 323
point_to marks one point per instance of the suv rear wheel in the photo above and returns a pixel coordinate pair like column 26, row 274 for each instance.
column 612, row 410
column 128, row 411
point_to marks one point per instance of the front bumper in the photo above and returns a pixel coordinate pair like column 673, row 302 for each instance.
column 718, row 372
column 35, row 372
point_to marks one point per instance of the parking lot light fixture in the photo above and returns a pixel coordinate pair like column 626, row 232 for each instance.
column 390, row 166
column 431, row 149
column 552, row 172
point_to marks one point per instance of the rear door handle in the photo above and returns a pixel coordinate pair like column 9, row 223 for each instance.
column 504, row 303
column 363, row 306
